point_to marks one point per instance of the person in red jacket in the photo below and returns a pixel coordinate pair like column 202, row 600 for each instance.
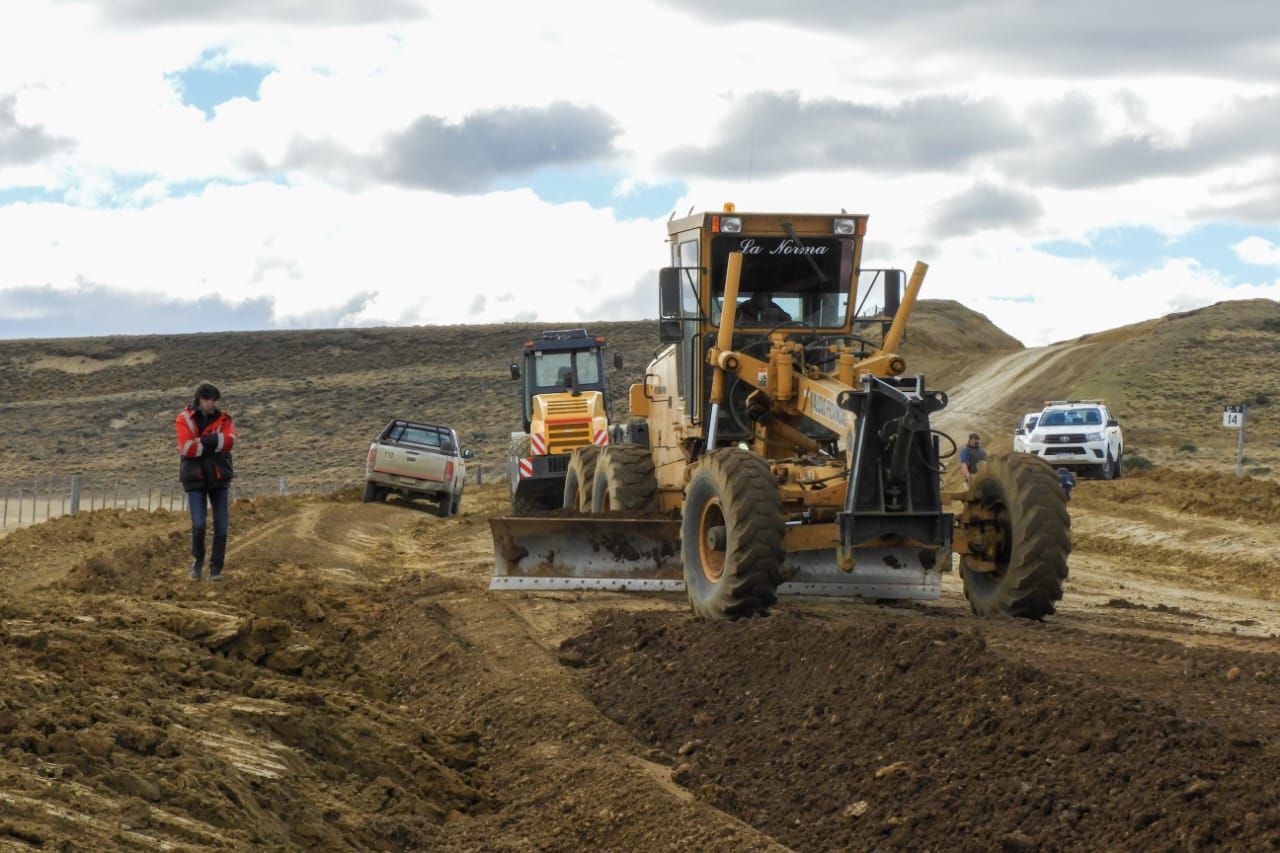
column 205, row 439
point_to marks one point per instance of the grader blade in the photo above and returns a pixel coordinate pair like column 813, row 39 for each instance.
column 620, row 554
column 889, row 573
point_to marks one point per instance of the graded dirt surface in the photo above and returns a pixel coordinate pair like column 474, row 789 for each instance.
column 353, row 685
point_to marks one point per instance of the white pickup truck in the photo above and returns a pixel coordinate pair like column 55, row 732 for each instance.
column 1079, row 435
column 417, row 459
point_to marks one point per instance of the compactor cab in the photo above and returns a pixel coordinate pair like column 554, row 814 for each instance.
column 786, row 448
column 565, row 405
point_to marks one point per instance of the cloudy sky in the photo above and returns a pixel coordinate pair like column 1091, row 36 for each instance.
column 174, row 165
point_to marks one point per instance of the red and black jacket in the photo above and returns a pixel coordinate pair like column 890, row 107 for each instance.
column 204, row 443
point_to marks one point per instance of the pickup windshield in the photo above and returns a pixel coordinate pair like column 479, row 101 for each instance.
column 1072, row 417
column 436, row 438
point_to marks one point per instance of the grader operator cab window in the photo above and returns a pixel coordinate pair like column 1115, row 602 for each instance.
column 785, row 279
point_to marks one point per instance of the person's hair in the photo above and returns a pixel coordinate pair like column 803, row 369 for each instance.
column 206, row 391
column 975, row 435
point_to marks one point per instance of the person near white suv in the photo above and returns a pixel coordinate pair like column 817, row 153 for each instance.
column 1080, row 435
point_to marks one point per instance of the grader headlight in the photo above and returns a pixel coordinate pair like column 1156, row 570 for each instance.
column 731, row 225
column 844, row 227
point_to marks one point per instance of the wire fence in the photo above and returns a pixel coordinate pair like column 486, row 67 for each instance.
column 45, row 498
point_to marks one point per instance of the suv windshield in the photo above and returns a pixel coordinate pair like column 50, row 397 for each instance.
column 779, row 281
column 1072, row 417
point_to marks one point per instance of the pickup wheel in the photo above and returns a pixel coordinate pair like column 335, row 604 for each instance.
column 1120, row 465
column 456, row 507
column 444, row 506
column 1107, row 470
column 371, row 493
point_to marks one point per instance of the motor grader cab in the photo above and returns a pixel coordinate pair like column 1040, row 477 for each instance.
column 565, row 405
column 787, row 450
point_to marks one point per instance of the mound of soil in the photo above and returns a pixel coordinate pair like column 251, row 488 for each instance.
column 1200, row 492
column 140, row 710
column 920, row 737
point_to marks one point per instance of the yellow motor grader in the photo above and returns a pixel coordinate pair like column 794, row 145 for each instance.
column 775, row 449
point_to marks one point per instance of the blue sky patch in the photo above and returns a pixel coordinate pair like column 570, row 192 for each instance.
column 595, row 185
column 29, row 195
column 212, row 81
column 1131, row 250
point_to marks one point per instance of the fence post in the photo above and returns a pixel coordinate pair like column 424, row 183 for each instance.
column 19, row 507
column 5, row 522
column 479, row 475
column 282, row 486
column 48, row 506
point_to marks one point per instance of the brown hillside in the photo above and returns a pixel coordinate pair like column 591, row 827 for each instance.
column 307, row 402
column 1169, row 380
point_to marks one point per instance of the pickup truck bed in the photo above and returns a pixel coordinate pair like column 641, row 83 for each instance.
column 416, row 459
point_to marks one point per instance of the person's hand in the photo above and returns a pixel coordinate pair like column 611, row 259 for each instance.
column 210, row 442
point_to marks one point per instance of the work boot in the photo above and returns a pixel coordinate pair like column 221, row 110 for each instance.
column 197, row 552
column 216, row 559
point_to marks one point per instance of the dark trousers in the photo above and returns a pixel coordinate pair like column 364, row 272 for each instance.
column 200, row 501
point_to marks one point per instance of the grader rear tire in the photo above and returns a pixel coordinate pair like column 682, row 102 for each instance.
column 624, row 480
column 1025, row 496
column 579, row 480
column 731, row 534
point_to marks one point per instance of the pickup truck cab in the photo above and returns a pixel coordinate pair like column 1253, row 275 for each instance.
column 1079, row 435
column 1021, row 435
column 416, row 459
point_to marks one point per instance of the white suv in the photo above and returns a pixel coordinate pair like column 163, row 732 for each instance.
column 1081, row 435
column 1025, row 427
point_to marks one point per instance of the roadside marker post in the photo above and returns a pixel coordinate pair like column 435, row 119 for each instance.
column 1234, row 417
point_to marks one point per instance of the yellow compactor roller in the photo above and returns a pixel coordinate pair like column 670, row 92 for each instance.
column 776, row 446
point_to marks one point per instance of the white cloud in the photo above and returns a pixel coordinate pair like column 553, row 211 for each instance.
column 1255, row 250
column 312, row 235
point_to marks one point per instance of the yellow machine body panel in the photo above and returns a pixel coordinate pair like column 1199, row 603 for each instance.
column 567, row 421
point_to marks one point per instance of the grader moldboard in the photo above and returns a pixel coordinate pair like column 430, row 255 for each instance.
column 776, row 449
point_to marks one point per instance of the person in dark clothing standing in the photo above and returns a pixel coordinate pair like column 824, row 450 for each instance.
column 971, row 456
column 205, row 439
column 1068, row 481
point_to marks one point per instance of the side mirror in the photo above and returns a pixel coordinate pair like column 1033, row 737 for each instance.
column 668, row 293
column 468, row 454
column 1019, row 432
column 1113, row 423
column 515, row 370
column 617, row 361
column 893, row 285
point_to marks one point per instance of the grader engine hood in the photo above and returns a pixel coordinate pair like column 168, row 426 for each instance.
column 562, row 422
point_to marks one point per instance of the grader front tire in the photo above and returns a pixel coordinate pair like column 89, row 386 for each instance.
column 731, row 536
column 1027, row 511
column 624, row 480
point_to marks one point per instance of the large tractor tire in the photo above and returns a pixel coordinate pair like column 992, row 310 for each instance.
column 624, row 480
column 1016, row 504
column 731, row 534
column 580, row 479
